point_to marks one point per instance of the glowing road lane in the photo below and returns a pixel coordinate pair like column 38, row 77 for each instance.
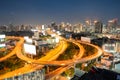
column 64, row 62
column 51, row 55
column 15, row 49
column 67, row 63
column 78, row 60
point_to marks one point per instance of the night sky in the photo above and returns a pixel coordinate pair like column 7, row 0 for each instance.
column 47, row 11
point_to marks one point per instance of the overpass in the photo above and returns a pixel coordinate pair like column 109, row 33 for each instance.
column 48, row 59
column 75, row 61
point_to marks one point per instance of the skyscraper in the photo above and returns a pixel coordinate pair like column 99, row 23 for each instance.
column 112, row 25
column 98, row 26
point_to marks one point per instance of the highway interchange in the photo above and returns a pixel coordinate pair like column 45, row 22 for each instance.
column 49, row 59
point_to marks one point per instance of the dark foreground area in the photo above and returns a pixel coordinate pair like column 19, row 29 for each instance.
column 98, row 74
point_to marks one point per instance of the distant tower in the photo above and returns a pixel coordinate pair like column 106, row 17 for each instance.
column 54, row 26
column 3, row 28
column 22, row 28
column 62, row 26
column 88, row 23
column 98, row 26
column 112, row 25
column 78, row 28
column 88, row 26
column 11, row 27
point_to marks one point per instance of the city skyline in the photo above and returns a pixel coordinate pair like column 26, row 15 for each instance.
column 47, row 11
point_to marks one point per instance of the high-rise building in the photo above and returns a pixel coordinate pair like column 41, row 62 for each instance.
column 62, row 26
column 68, row 27
column 3, row 28
column 11, row 27
column 104, row 28
column 22, row 27
column 88, row 23
column 98, row 26
column 54, row 26
column 88, row 26
column 112, row 25
column 78, row 28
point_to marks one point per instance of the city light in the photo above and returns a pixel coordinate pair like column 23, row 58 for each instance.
column 59, row 40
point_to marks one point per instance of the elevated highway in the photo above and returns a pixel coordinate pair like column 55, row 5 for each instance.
column 75, row 61
column 49, row 59
column 51, row 55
